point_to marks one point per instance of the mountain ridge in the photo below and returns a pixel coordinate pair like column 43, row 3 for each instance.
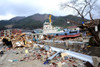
column 37, row 20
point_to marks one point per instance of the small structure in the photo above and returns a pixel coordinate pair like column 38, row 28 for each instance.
column 10, row 32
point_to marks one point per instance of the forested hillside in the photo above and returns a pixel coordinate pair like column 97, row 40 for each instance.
column 36, row 21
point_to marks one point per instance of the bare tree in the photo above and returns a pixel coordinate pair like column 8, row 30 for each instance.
column 84, row 8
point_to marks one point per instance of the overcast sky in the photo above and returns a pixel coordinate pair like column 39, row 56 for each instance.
column 12, row 8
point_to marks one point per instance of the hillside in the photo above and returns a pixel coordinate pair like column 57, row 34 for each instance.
column 17, row 18
column 36, row 21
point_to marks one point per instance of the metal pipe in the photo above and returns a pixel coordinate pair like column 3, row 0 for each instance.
column 73, row 54
column 50, row 58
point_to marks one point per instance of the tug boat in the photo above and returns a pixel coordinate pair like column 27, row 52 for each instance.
column 48, row 29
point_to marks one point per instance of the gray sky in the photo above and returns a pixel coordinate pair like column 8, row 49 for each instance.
column 12, row 8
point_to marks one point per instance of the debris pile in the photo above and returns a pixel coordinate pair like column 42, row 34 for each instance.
column 23, row 48
column 42, row 54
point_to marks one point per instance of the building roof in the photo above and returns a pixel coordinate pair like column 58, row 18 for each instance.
column 72, row 27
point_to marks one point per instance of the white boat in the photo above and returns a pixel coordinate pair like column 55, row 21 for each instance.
column 48, row 28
